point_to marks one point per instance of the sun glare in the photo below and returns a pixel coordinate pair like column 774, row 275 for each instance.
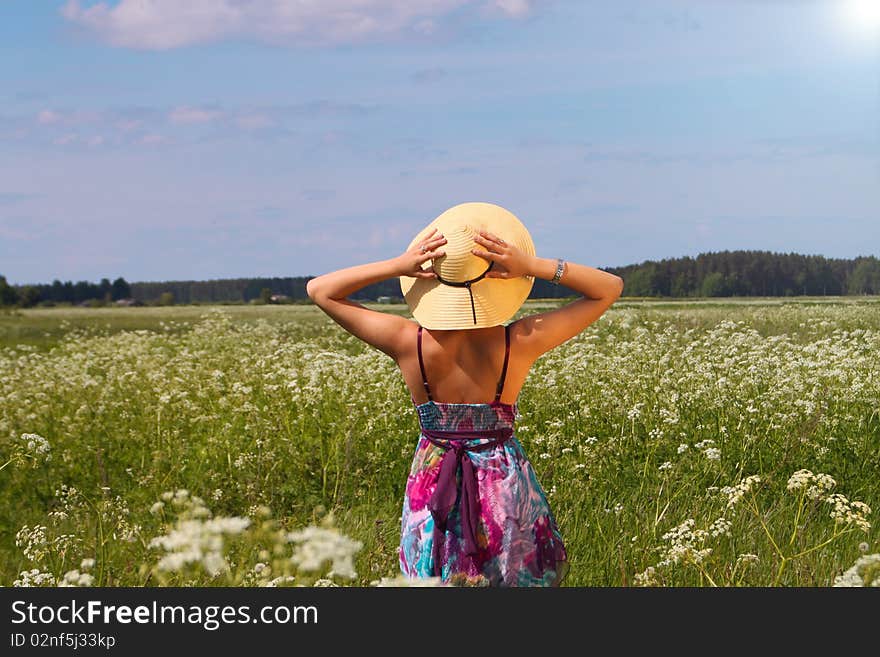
column 864, row 15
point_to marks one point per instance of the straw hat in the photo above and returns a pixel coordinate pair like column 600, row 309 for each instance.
column 461, row 297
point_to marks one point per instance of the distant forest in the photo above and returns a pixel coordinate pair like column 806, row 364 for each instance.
column 714, row 274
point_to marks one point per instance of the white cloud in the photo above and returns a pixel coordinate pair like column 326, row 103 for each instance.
column 152, row 125
column 69, row 138
column 515, row 8
column 187, row 114
column 67, row 117
column 48, row 117
column 166, row 24
column 152, row 139
column 254, row 121
column 128, row 125
column 75, row 138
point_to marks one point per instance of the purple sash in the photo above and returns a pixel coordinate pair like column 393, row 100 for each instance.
column 446, row 492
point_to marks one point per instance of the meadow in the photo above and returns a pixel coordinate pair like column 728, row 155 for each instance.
column 680, row 444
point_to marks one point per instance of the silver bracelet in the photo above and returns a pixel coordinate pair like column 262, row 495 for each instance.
column 560, row 267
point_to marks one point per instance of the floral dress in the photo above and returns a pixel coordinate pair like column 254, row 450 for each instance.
column 473, row 510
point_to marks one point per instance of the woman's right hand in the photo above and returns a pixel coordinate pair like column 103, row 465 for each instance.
column 509, row 261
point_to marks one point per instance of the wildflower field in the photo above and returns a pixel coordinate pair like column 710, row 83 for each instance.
column 679, row 443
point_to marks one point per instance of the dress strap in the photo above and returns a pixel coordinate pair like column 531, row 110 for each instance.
column 422, row 365
column 506, row 356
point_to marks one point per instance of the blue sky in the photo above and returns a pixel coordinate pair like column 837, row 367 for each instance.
column 226, row 138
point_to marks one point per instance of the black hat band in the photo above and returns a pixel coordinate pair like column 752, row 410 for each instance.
column 468, row 284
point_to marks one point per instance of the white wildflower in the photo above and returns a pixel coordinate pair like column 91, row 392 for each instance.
column 281, row 579
column 36, row 446
column 864, row 572
column 316, row 545
column 736, row 493
column 647, row 577
column 33, row 577
column 196, row 538
column 76, row 578
column 324, row 582
column 635, row 411
column 844, row 511
column 259, row 511
column 721, row 527
column 32, row 541
column 814, row 486
column 747, row 559
column 686, row 544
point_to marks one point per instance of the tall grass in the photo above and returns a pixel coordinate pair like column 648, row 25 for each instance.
column 679, row 445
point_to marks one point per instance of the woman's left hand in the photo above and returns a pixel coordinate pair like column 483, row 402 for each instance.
column 410, row 263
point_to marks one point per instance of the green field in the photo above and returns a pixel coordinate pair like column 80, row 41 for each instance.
column 680, row 443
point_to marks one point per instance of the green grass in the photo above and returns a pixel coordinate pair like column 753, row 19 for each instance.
column 278, row 406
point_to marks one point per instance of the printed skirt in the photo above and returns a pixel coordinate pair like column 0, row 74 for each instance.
column 517, row 540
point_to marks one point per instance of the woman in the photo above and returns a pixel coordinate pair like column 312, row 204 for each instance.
column 474, row 512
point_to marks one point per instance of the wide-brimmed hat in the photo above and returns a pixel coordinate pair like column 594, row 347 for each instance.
column 461, row 297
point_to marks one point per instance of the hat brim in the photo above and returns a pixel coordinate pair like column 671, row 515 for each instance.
column 443, row 307
column 436, row 305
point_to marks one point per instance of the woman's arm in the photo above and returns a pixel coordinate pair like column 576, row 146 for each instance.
column 379, row 329
column 537, row 334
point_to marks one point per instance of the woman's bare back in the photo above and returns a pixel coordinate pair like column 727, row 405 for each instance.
column 464, row 366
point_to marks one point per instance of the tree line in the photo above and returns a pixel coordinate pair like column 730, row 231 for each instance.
column 751, row 273
column 714, row 274
column 68, row 292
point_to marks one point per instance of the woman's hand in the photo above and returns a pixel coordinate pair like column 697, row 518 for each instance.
column 509, row 261
column 410, row 263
